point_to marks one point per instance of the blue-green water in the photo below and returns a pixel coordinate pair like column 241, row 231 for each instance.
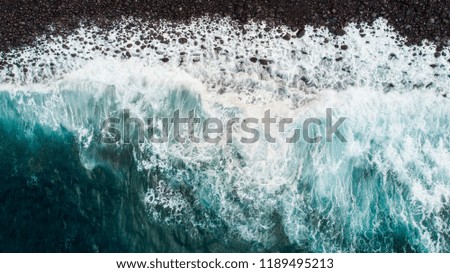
column 64, row 190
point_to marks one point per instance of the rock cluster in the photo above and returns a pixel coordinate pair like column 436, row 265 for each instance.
column 22, row 21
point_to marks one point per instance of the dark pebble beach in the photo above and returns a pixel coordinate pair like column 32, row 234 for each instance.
column 22, row 21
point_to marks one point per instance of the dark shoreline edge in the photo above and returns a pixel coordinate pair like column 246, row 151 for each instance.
column 23, row 20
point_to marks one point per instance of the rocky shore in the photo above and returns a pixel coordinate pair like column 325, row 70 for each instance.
column 417, row 20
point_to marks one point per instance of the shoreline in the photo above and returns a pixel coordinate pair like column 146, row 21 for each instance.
column 418, row 20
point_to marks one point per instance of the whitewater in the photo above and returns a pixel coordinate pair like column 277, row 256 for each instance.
column 386, row 189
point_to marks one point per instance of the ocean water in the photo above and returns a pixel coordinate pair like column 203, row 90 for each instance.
column 386, row 189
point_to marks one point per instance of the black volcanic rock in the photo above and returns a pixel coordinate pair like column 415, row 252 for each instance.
column 22, row 21
column 182, row 40
column 287, row 37
column 263, row 61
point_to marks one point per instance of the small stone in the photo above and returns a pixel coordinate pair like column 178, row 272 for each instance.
column 392, row 56
column 253, row 59
column 332, row 21
column 287, row 37
column 340, row 32
column 300, row 33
